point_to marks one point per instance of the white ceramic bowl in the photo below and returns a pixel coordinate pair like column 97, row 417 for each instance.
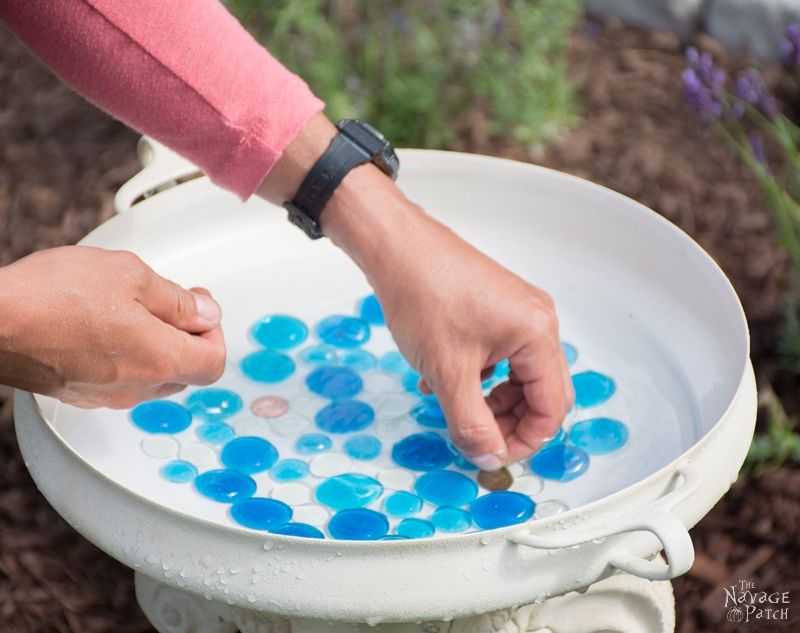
column 642, row 295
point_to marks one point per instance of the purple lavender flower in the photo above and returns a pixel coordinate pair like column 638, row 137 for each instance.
column 757, row 145
column 704, row 85
column 791, row 45
column 750, row 89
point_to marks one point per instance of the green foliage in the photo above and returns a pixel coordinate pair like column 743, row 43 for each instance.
column 779, row 444
column 417, row 68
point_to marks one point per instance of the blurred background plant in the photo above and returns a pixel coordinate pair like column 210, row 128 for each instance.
column 421, row 71
column 750, row 121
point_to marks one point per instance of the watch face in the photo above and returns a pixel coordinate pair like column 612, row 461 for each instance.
column 373, row 143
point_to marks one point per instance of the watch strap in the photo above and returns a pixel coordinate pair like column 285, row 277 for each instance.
column 318, row 186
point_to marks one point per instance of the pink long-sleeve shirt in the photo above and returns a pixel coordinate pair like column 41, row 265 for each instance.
column 182, row 71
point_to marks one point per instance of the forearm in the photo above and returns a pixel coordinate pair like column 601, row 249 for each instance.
column 186, row 73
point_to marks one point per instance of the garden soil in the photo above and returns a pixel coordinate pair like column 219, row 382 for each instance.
column 61, row 162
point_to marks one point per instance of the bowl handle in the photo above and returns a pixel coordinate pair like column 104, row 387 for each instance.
column 657, row 519
column 161, row 169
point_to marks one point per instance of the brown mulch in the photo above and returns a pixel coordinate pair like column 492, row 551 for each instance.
column 61, row 161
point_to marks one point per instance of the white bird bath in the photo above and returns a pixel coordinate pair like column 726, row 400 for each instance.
column 638, row 298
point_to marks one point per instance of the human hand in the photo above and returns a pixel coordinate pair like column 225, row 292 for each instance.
column 453, row 312
column 98, row 328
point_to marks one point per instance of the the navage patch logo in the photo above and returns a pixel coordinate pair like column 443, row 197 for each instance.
column 745, row 603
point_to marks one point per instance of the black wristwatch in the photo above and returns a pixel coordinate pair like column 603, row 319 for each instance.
column 356, row 143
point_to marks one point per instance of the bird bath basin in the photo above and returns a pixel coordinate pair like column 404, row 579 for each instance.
column 662, row 347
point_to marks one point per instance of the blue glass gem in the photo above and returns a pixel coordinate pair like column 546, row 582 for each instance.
column 258, row 513
column 599, row 436
column 415, row 528
column 214, row 404
column 267, row 366
column 450, row 519
column 402, row 504
column 370, row 310
column 178, row 471
column 422, row 451
column 559, row 438
column 393, row 537
column 502, row 369
column 161, row 416
column 394, row 363
column 289, row 470
column 226, row 486
column 458, row 459
column 499, row 509
column 410, row 382
column 358, row 524
column 570, row 353
column 342, row 331
column 446, row 488
column 592, row 389
column 279, row 332
column 359, row 360
column 561, row 462
column 345, row 416
column 312, row 443
column 249, row 455
column 319, row 355
column 303, row 530
column 215, row 432
column 336, row 383
column 363, row 447
column 429, row 413
column 351, row 490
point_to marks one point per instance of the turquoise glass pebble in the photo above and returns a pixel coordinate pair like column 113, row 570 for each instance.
column 343, row 331
column 249, row 455
column 370, row 310
column 226, row 486
column 428, row 413
column 258, row 513
column 359, row 360
column 570, row 353
column 394, row 363
column 289, row 470
column 422, row 451
column 415, row 528
column 312, row 443
column 599, row 436
column 178, row 471
column 214, row 404
column 559, row 438
column 215, row 432
column 450, row 519
column 458, row 459
column 561, row 462
column 502, row 369
column 303, row 530
column 592, row 389
column 161, row 416
column 267, row 366
column 410, row 382
column 336, row 383
column 345, row 416
column 351, row 490
column 499, row 509
column 363, row 447
column 402, row 504
column 358, row 524
column 319, row 355
column 279, row 332
column 446, row 488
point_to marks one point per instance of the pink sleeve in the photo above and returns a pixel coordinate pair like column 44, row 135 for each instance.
column 184, row 72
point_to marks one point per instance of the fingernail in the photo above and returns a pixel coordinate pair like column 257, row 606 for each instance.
column 490, row 461
column 207, row 309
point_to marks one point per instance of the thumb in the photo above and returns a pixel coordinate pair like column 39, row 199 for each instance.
column 192, row 311
column 471, row 423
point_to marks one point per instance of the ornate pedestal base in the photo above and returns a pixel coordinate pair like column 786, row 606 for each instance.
column 620, row 603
